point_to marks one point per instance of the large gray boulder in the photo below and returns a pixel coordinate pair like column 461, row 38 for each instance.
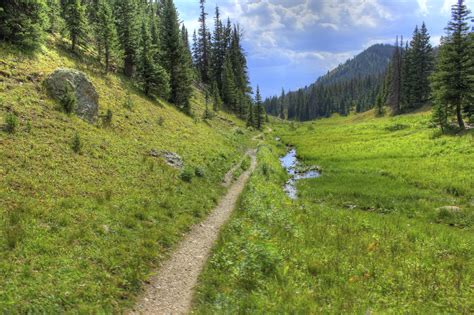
column 87, row 98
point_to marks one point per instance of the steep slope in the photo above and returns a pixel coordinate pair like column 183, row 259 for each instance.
column 82, row 231
column 372, row 61
column 351, row 86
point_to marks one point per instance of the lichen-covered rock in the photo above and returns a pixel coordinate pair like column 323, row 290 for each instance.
column 87, row 98
column 171, row 158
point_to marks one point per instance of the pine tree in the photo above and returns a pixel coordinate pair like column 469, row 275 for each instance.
column 426, row 64
column 453, row 81
column 379, row 105
column 75, row 23
column 22, row 22
column 250, row 115
column 126, row 12
column 56, row 22
column 395, row 89
column 174, row 57
column 229, row 90
column 107, row 33
column 218, row 50
column 152, row 76
column 203, row 45
column 260, row 112
column 216, row 97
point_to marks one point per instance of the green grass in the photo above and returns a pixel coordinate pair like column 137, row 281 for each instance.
column 393, row 253
column 81, row 229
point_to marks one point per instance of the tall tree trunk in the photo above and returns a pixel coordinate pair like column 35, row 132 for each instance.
column 107, row 59
column 128, row 66
column 459, row 116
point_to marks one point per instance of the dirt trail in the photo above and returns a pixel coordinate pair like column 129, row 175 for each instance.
column 171, row 290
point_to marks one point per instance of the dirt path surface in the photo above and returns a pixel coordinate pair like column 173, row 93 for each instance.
column 171, row 290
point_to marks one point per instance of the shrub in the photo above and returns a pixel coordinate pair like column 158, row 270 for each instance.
column 11, row 123
column 128, row 104
column 107, row 118
column 76, row 144
column 187, row 175
column 69, row 101
column 199, row 172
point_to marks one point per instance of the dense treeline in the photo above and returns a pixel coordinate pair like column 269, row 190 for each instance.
column 416, row 75
column 352, row 86
column 146, row 41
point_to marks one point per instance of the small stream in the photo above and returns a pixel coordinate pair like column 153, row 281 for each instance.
column 291, row 164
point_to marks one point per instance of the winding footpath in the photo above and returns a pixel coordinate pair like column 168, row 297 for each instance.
column 171, row 290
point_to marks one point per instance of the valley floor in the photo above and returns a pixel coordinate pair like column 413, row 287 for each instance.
column 388, row 227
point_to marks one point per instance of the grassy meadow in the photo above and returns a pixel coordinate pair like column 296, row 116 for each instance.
column 367, row 236
column 81, row 231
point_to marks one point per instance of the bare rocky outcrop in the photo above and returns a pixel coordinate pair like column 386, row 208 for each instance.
column 87, row 98
column 171, row 158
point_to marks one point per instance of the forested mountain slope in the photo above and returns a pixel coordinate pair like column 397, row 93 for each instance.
column 351, row 86
column 82, row 225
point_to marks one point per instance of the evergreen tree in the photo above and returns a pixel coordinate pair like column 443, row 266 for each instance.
column 395, row 89
column 453, row 81
column 174, row 57
column 23, row 22
column 107, row 33
column 229, row 90
column 75, row 23
column 260, row 112
column 126, row 13
column 152, row 76
column 217, row 101
column 379, row 105
column 218, row 50
column 56, row 22
column 250, row 115
column 203, row 45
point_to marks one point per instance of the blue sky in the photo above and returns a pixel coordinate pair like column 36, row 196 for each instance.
column 290, row 43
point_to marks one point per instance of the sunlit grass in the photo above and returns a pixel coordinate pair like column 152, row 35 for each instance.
column 367, row 236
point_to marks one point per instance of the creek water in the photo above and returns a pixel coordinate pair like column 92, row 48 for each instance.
column 291, row 164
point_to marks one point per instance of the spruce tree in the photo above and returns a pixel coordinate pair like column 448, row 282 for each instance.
column 22, row 22
column 218, row 50
column 75, row 23
column 152, row 76
column 260, row 112
column 203, row 45
column 229, row 90
column 453, row 81
column 107, row 33
column 126, row 14
column 395, row 89
column 56, row 22
column 174, row 57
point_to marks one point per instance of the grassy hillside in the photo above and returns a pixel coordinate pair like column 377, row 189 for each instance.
column 367, row 236
column 81, row 231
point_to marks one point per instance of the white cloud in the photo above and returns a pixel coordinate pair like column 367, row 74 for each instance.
column 423, row 4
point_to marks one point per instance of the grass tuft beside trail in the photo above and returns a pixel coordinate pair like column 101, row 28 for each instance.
column 86, row 212
column 367, row 236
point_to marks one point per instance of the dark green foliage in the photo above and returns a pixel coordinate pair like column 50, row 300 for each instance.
column 203, row 47
column 11, row 123
column 76, row 144
column 187, row 175
column 69, row 101
column 199, row 172
column 259, row 111
column 353, row 85
column 106, row 33
column 56, row 21
column 174, row 57
column 75, row 18
column 23, row 22
column 453, row 80
column 379, row 105
column 13, row 230
column 152, row 76
column 126, row 17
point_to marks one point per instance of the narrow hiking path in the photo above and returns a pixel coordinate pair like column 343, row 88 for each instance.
column 171, row 290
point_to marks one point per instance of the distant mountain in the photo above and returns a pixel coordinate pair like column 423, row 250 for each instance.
column 352, row 85
column 372, row 61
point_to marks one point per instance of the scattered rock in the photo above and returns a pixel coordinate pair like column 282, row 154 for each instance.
column 87, row 98
column 451, row 209
column 277, row 139
column 171, row 158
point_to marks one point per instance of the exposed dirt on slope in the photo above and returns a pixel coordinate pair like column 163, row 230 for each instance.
column 171, row 290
